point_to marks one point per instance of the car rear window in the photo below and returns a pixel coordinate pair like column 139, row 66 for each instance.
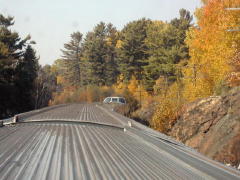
column 121, row 100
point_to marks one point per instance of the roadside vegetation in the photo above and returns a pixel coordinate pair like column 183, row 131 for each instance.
column 159, row 67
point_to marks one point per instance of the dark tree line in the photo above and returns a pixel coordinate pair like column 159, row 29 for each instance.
column 18, row 70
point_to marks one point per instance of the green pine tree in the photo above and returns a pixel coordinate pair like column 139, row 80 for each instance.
column 72, row 54
column 132, row 54
column 100, row 55
column 166, row 48
column 17, row 70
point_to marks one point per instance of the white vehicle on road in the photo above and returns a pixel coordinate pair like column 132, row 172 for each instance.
column 119, row 100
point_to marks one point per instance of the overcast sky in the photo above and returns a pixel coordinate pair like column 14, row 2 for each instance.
column 50, row 22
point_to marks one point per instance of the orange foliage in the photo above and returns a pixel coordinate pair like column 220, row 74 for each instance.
column 137, row 90
column 61, row 80
column 167, row 109
column 119, row 44
column 211, row 48
column 133, row 85
column 161, row 86
column 120, row 86
column 64, row 97
column 234, row 77
column 88, row 94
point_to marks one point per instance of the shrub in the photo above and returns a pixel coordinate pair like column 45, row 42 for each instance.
column 167, row 110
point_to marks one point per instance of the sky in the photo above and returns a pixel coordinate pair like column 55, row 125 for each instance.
column 50, row 22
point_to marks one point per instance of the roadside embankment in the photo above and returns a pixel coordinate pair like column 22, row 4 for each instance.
column 212, row 126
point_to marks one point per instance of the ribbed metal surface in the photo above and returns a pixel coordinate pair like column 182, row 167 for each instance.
column 85, row 150
column 79, row 112
column 66, row 151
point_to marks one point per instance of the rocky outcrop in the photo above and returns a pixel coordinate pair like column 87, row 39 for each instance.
column 212, row 126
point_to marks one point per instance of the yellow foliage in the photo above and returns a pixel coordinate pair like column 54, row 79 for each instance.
column 234, row 77
column 88, row 94
column 109, row 41
column 119, row 44
column 160, row 86
column 61, row 80
column 137, row 90
column 211, row 48
column 167, row 109
column 63, row 97
column 120, row 86
column 133, row 85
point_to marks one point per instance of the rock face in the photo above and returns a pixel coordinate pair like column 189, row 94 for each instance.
column 212, row 126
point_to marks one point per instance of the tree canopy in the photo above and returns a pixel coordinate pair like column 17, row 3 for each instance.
column 18, row 70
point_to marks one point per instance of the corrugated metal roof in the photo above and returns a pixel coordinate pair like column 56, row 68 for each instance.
column 71, row 112
column 99, row 145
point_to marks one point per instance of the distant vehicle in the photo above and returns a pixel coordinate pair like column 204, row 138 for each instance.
column 119, row 100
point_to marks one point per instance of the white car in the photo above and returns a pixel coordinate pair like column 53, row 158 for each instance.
column 119, row 100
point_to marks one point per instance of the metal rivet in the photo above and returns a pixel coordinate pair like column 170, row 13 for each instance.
column 129, row 123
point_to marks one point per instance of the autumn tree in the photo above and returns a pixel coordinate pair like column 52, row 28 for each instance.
column 212, row 47
column 168, row 108
column 234, row 76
